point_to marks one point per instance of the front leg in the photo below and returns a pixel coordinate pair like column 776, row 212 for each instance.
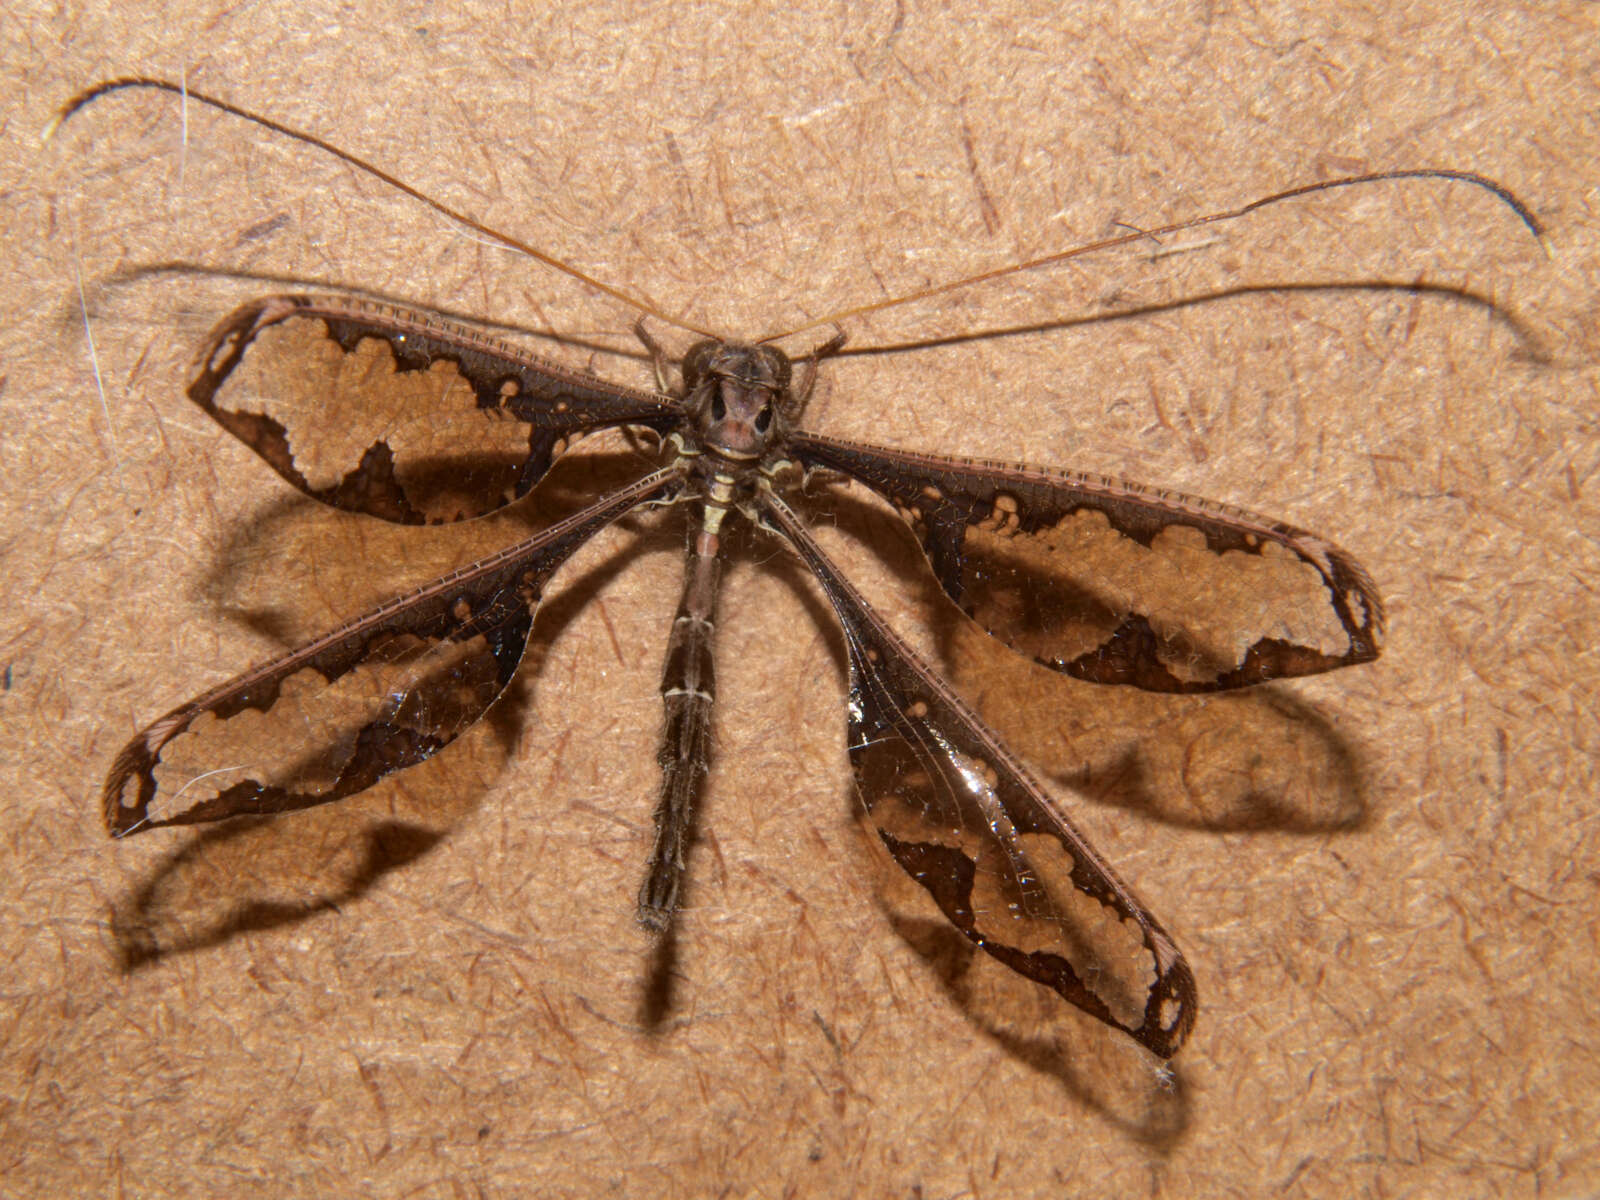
column 659, row 359
column 808, row 381
column 688, row 690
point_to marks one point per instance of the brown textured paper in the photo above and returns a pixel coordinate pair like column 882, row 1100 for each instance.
column 1385, row 879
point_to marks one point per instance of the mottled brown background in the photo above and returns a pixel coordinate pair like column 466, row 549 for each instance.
column 1386, row 879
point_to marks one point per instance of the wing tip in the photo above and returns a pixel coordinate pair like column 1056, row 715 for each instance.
column 121, row 817
column 1349, row 580
column 1170, row 1009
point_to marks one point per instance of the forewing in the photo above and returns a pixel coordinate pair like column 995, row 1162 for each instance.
column 965, row 820
column 1118, row 583
column 400, row 414
column 384, row 692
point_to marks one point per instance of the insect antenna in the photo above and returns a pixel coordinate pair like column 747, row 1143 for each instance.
column 83, row 99
column 191, row 269
column 1444, row 291
column 1502, row 193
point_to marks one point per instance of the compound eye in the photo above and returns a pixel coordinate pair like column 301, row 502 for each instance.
column 779, row 366
column 693, row 367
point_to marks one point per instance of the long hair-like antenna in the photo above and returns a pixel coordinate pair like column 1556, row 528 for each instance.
column 186, row 93
column 1501, row 192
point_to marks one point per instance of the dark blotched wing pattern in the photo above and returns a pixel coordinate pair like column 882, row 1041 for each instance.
column 1115, row 583
column 385, row 691
column 411, row 418
column 967, row 822
column 398, row 414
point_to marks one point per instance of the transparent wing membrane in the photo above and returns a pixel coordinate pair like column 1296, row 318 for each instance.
column 396, row 413
column 382, row 693
column 1118, row 583
column 966, row 821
